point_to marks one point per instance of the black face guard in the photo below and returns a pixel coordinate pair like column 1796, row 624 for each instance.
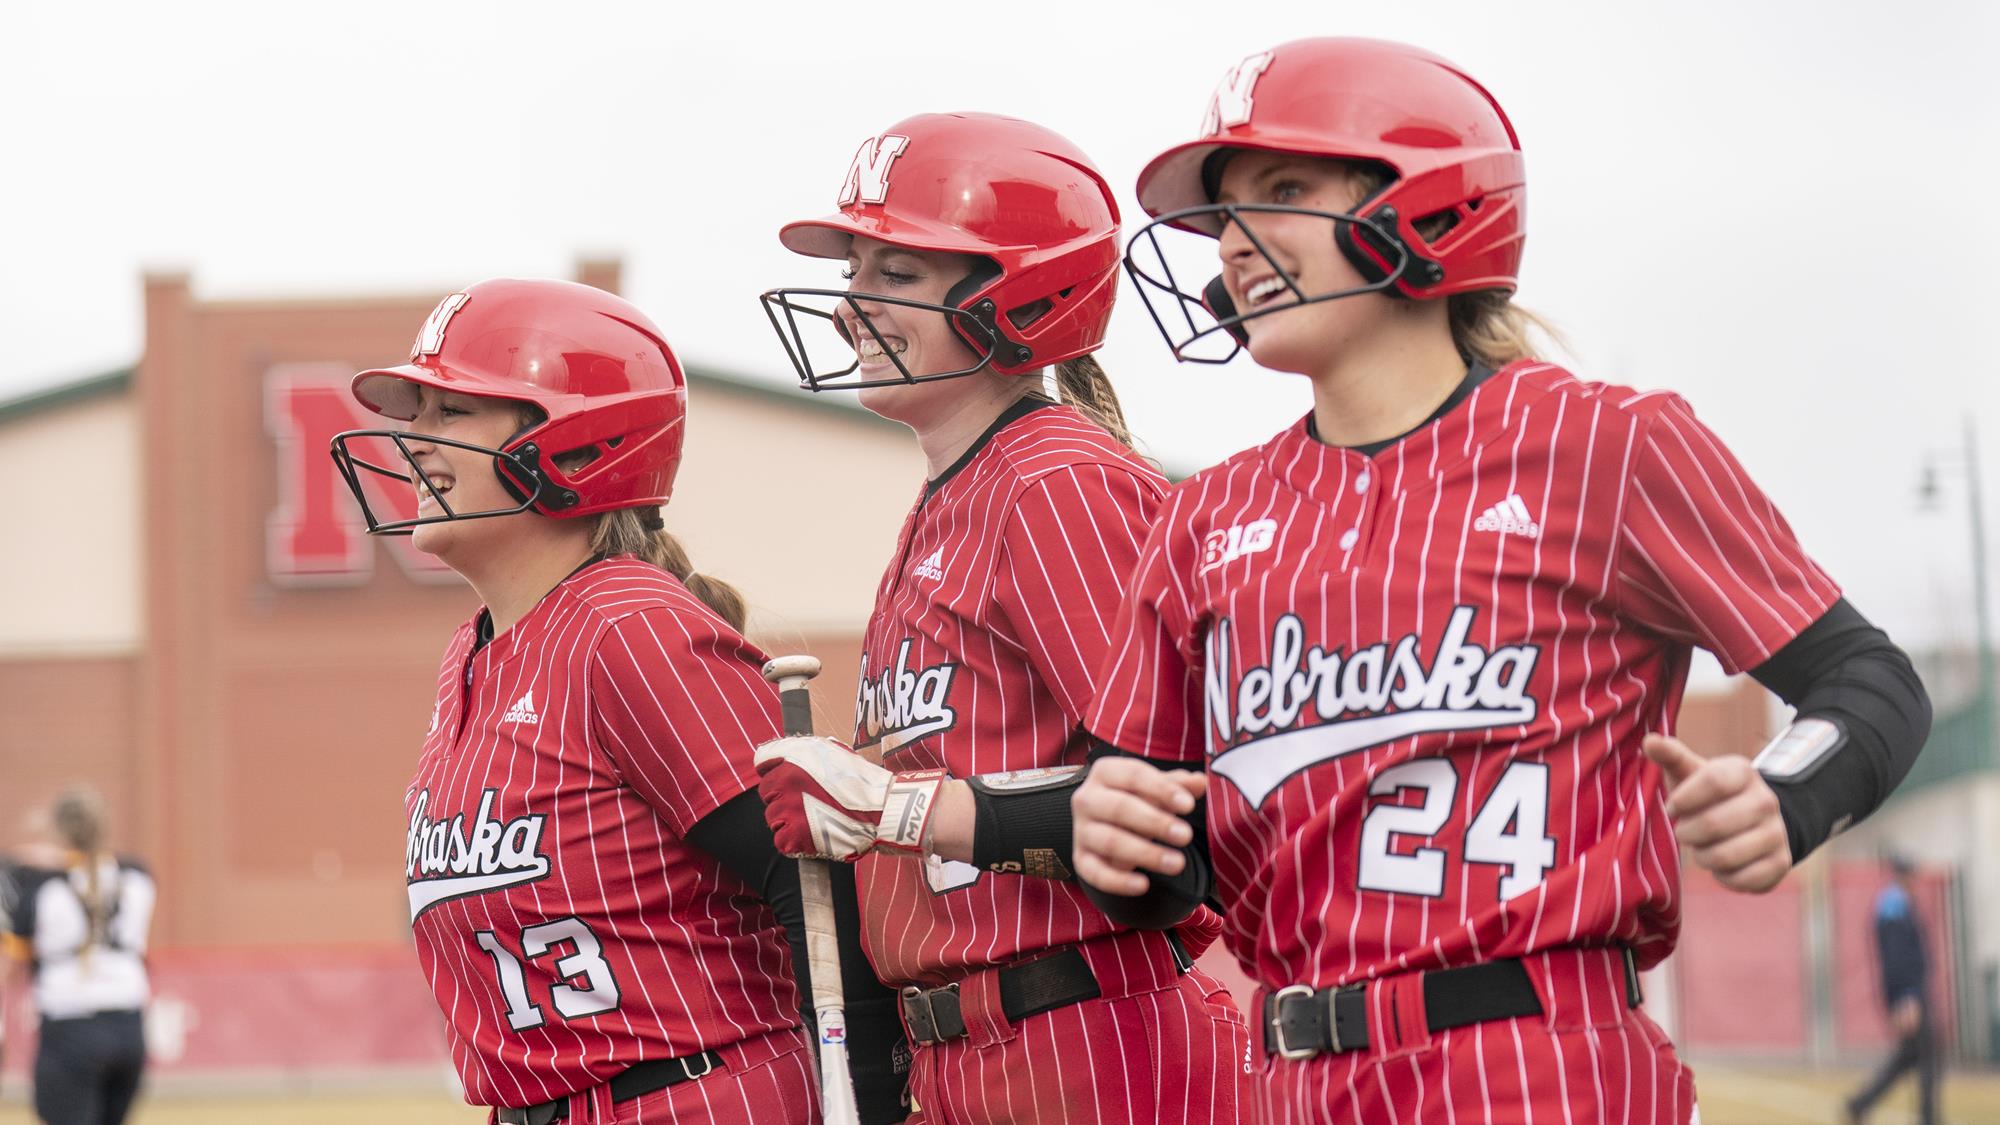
column 1211, row 311
column 520, row 472
column 792, row 310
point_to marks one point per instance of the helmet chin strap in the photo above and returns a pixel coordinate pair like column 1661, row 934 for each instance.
column 520, row 495
column 548, row 497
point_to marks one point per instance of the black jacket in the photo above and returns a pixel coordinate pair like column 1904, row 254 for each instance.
column 1899, row 944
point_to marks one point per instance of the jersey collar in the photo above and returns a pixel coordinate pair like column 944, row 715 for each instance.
column 482, row 624
column 1474, row 412
column 1019, row 410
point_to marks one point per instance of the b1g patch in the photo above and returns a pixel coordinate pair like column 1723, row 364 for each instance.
column 1227, row 544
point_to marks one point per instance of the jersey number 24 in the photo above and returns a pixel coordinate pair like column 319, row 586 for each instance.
column 1510, row 831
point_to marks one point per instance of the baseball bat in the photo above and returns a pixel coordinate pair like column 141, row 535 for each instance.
column 836, row 1084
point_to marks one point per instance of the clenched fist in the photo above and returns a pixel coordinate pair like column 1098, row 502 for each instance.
column 1725, row 814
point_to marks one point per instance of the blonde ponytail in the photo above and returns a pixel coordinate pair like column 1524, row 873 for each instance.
column 639, row 533
column 79, row 820
column 1488, row 328
column 1084, row 385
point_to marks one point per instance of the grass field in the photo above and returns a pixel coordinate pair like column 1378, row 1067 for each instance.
column 1729, row 1096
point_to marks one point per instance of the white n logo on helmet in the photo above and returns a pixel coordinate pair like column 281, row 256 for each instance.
column 430, row 338
column 1230, row 105
column 868, row 177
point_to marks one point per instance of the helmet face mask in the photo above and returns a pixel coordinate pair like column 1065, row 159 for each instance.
column 796, row 313
column 1205, row 326
column 606, row 396
column 1032, row 212
column 369, row 451
column 1447, row 219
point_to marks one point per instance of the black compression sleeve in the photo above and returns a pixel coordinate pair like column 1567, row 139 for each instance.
column 1845, row 670
column 739, row 839
column 1170, row 899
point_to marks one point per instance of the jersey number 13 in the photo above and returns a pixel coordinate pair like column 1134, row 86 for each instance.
column 586, row 960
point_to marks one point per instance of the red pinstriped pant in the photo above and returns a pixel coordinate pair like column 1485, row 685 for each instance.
column 1174, row 1052
column 1588, row 1059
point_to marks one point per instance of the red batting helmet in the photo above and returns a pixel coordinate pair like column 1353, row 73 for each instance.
column 1448, row 148
column 597, row 370
column 1028, row 203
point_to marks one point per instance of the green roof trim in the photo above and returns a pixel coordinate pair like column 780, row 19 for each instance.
column 63, row 394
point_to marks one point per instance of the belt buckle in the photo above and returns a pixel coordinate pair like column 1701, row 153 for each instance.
column 707, row 1064
column 930, row 1032
column 1286, row 1050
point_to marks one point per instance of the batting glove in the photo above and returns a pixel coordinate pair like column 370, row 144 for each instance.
column 823, row 800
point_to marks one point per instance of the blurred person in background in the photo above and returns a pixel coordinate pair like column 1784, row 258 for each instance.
column 8, row 895
column 1899, row 952
column 80, row 927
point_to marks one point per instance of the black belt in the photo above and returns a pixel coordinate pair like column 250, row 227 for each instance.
column 638, row 1079
column 1301, row 1021
column 1028, row 989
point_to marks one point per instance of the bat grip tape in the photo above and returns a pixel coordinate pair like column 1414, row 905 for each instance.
column 796, row 704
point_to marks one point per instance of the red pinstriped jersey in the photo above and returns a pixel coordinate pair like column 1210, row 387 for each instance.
column 988, row 631
column 566, row 927
column 1419, row 680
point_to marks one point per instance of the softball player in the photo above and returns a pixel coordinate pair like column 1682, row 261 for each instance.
column 981, row 257
column 594, row 895
column 82, row 928
column 1417, row 650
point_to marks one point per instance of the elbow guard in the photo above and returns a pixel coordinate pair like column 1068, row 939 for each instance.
column 1858, row 732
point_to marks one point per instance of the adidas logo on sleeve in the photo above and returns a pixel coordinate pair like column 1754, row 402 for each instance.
column 1509, row 517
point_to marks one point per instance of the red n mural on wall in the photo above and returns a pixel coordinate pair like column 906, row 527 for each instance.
column 315, row 534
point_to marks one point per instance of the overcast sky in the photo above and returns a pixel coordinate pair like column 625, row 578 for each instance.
column 1783, row 211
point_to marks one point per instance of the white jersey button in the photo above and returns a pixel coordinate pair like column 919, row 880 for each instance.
column 1347, row 539
column 1361, row 483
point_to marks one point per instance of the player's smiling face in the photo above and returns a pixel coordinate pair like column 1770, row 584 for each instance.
column 467, row 479
column 1306, row 339
column 922, row 339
